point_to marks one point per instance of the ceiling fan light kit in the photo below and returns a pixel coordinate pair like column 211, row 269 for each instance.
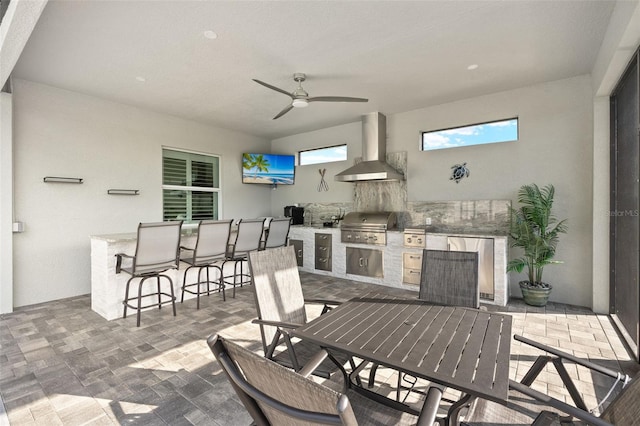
column 300, row 98
column 300, row 103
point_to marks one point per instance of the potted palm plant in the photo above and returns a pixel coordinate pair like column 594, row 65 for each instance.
column 535, row 230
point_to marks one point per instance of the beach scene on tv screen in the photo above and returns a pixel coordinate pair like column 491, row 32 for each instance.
column 268, row 169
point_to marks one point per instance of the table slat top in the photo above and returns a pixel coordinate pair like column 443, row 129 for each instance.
column 467, row 349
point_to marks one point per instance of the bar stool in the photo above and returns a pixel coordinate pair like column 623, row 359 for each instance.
column 247, row 239
column 157, row 251
column 211, row 247
column 277, row 233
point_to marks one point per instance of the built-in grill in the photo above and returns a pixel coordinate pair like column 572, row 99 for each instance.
column 367, row 227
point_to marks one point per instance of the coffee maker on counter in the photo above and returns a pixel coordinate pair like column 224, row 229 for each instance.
column 295, row 213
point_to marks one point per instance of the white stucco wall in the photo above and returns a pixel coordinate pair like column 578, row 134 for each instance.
column 305, row 189
column 554, row 146
column 109, row 145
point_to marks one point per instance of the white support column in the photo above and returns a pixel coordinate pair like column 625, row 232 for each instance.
column 601, row 192
column 6, row 204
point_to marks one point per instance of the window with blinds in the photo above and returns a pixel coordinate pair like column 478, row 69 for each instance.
column 190, row 186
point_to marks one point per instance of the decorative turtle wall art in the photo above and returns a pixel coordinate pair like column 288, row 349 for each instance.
column 459, row 171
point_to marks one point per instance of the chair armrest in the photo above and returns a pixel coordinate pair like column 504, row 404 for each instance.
column 556, row 360
column 429, row 410
column 560, row 354
column 323, row 301
column 557, row 404
column 119, row 257
column 276, row 323
column 313, row 363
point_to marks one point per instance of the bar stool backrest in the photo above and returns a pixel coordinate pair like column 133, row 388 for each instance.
column 278, row 232
column 249, row 235
column 213, row 239
column 157, row 247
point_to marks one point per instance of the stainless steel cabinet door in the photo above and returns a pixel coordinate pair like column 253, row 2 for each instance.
column 298, row 246
column 484, row 248
column 365, row 262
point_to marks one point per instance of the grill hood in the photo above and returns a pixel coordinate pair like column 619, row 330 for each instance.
column 374, row 151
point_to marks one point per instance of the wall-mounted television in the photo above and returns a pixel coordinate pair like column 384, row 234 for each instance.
column 270, row 169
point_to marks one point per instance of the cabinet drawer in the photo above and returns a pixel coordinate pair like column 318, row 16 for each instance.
column 323, row 252
column 411, row 276
column 412, row 260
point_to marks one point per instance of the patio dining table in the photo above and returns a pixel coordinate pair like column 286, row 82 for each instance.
column 462, row 348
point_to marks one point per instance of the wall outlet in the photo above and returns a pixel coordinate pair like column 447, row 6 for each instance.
column 427, row 221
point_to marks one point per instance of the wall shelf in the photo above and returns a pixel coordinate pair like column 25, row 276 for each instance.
column 58, row 179
column 123, row 191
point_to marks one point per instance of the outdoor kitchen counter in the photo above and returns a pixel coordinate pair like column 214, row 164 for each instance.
column 392, row 254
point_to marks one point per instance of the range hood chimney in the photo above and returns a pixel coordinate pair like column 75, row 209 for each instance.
column 374, row 151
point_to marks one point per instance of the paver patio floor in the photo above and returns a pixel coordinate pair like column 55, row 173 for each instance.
column 61, row 363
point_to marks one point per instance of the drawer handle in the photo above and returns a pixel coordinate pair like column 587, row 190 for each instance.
column 414, row 272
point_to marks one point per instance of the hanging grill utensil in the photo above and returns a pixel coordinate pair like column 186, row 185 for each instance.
column 323, row 184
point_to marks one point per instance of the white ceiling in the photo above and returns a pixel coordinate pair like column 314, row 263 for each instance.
column 401, row 55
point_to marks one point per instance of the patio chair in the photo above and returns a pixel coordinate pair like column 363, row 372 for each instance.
column 275, row 395
column 450, row 278
column 209, row 251
column 446, row 278
column 281, row 307
column 527, row 406
column 278, row 233
column 157, row 251
column 247, row 239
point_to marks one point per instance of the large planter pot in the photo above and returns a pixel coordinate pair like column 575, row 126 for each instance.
column 534, row 296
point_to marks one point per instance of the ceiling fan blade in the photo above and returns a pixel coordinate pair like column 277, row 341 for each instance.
column 284, row 111
column 336, row 99
column 277, row 89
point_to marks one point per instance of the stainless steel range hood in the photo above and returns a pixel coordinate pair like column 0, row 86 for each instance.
column 374, row 151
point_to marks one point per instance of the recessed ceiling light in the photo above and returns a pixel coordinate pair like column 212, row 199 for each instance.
column 210, row 35
column 472, row 67
column 141, row 79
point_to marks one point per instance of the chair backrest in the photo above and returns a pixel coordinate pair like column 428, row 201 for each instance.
column 277, row 395
column 278, row 232
column 450, row 278
column 249, row 235
column 625, row 408
column 213, row 239
column 158, row 247
column 277, row 288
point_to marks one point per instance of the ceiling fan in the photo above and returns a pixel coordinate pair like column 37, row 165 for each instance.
column 300, row 98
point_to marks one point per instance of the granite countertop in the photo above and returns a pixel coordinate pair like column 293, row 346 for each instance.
column 455, row 231
column 429, row 230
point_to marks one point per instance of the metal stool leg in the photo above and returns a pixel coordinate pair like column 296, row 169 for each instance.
column 173, row 297
column 159, row 294
column 126, row 298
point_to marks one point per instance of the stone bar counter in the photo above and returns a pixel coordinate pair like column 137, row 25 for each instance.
column 107, row 287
